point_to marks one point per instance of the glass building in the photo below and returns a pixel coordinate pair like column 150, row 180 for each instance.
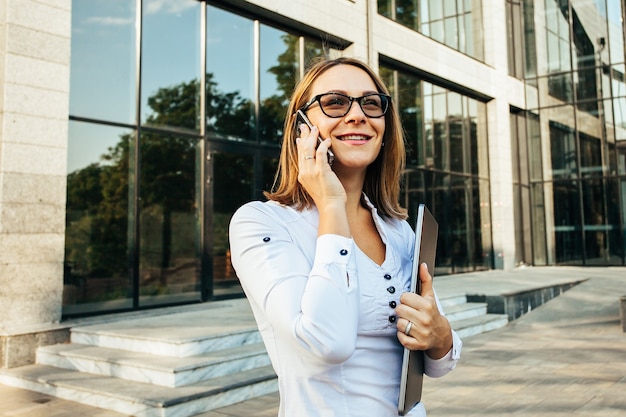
column 516, row 143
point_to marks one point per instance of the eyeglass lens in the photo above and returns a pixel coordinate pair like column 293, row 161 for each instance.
column 338, row 105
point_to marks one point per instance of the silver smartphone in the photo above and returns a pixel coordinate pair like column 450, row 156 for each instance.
column 301, row 116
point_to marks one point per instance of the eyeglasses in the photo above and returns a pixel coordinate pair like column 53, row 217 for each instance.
column 338, row 105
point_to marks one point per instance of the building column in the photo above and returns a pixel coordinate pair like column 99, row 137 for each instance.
column 499, row 133
column 34, row 108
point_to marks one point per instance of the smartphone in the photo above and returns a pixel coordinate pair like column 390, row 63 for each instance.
column 301, row 116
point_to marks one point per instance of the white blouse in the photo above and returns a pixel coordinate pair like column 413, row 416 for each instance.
column 326, row 311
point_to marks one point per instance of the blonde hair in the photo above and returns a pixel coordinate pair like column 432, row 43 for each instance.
column 383, row 176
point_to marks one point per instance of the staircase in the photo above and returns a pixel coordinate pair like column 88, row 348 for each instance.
column 178, row 364
column 471, row 318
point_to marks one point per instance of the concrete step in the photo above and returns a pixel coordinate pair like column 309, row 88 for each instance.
column 465, row 311
column 168, row 371
column 141, row 399
column 479, row 324
column 452, row 300
column 179, row 335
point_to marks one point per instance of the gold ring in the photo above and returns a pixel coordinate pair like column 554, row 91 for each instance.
column 407, row 329
column 309, row 157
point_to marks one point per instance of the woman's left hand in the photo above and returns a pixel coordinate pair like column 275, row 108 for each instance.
column 430, row 331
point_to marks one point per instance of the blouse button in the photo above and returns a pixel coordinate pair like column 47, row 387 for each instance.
column 343, row 252
column 387, row 276
column 392, row 319
column 392, row 304
column 266, row 239
column 391, row 290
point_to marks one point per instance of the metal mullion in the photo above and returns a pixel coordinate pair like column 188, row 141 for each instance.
column 206, row 264
column 134, row 246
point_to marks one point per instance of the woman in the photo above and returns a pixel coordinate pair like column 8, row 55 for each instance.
column 326, row 262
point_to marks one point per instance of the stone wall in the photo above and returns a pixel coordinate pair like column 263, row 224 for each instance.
column 34, row 104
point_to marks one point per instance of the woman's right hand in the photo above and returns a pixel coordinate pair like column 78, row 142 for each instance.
column 321, row 182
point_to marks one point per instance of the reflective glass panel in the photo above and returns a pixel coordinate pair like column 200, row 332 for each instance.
column 103, row 64
column 169, row 219
column 230, row 87
column 461, row 237
column 233, row 177
column 170, row 63
column 96, row 268
column 590, row 156
column 280, row 57
column 597, row 226
column 567, row 223
column 563, row 151
column 480, row 231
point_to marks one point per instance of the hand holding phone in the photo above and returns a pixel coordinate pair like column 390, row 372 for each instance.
column 301, row 116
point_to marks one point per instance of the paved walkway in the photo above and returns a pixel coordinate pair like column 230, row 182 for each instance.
column 566, row 358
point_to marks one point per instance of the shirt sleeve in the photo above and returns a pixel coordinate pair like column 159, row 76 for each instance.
column 310, row 298
column 436, row 368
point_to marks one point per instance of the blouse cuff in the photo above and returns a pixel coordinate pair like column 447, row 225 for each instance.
column 439, row 367
column 333, row 259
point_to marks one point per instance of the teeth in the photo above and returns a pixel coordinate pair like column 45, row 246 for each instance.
column 354, row 137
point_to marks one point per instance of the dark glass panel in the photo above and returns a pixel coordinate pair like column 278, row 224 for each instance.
column 561, row 86
column 103, row 64
column 407, row 13
column 230, row 87
column 620, row 216
column 411, row 108
column 233, row 177
column 540, row 252
column 413, row 192
column 598, row 226
column 440, row 203
column 169, row 176
column 530, row 46
column 480, row 216
column 385, row 7
column 621, row 158
column 440, row 132
column 586, row 48
column 563, row 151
column 270, row 165
column 458, row 145
column 590, row 156
column 567, row 223
column 535, row 154
column 461, row 243
column 96, row 269
column 170, row 64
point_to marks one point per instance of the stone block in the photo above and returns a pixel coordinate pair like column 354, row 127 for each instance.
column 33, row 189
column 40, row 17
column 35, row 44
column 21, row 349
column 31, row 159
column 37, row 73
column 42, row 131
column 622, row 312
column 21, row 218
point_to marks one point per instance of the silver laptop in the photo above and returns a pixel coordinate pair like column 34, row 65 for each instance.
column 426, row 230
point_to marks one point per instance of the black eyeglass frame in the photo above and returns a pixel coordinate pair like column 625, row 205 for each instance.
column 385, row 99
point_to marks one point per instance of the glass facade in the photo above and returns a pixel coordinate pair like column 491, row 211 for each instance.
column 447, row 167
column 454, row 23
column 176, row 118
column 573, row 131
column 176, row 115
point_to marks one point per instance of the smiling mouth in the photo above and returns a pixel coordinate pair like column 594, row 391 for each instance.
column 354, row 137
